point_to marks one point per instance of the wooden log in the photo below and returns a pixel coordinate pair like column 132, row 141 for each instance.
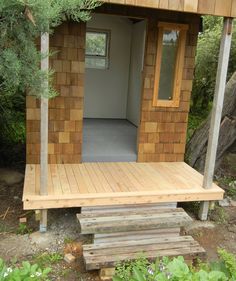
column 197, row 146
column 135, row 235
column 98, row 256
column 127, row 208
column 133, row 221
column 120, row 212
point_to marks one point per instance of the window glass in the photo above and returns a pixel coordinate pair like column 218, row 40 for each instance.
column 168, row 64
column 97, row 49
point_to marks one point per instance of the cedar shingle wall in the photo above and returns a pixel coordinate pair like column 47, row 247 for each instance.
column 162, row 132
column 66, row 110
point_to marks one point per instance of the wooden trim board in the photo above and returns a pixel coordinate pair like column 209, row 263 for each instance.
column 203, row 7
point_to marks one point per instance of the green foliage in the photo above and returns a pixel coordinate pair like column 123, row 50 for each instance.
column 206, row 63
column 177, row 270
column 22, row 22
column 124, row 270
column 218, row 215
column 194, row 121
column 229, row 184
column 25, row 272
column 46, row 258
column 23, row 229
column 228, row 264
column 96, row 43
column 12, row 118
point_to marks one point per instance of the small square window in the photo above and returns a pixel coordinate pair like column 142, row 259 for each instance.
column 97, row 46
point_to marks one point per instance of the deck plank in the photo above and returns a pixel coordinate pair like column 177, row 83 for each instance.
column 96, row 178
column 86, row 177
column 50, row 184
column 125, row 167
column 29, row 184
column 102, row 179
column 100, row 184
column 63, row 179
column 81, row 183
column 55, row 179
column 71, row 179
column 105, row 168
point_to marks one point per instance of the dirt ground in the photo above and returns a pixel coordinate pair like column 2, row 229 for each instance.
column 22, row 242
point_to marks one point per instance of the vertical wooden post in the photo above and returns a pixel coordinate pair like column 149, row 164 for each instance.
column 216, row 112
column 44, row 130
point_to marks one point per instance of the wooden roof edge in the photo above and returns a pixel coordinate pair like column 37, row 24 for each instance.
column 203, row 7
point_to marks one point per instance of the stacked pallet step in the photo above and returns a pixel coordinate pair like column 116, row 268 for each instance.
column 124, row 232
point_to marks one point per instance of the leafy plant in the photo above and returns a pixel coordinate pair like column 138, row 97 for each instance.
column 228, row 264
column 194, row 121
column 125, row 269
column 206, row 63
column 48, row 258
column 68, row 240
column 22, row 23
column 219, row 215
column 25, row 272
column 229, row 184
column 177, row 270
column 23, row 229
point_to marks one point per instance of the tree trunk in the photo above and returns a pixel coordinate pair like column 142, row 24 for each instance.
column 197, row 146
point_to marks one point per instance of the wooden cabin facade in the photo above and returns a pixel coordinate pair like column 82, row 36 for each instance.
column 162, row 129
column 158, row 173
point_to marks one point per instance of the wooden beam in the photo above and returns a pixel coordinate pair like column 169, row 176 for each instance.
column 44, row 129
column 217, row 111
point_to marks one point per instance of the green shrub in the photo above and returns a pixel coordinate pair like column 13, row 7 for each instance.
column 177, row 270
column 25, row 272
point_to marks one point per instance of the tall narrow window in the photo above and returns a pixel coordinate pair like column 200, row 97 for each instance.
column 169, row 64
column 97, row 47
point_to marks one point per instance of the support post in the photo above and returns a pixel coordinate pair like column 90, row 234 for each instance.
column 44, row 130
column 216, row 112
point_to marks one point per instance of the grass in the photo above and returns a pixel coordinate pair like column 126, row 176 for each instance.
column 4, row 228
column 47, row 259
column 68, row 240
column 23, row 229
column 229, row 184
column 218, row 215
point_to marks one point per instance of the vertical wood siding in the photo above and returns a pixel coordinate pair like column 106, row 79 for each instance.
column 212, row 7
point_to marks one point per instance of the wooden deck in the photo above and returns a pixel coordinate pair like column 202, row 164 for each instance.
column 98, row 184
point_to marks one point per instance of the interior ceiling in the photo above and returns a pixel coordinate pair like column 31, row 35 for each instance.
column 135, row 20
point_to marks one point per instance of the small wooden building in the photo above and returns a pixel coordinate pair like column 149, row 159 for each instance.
column 117, row 129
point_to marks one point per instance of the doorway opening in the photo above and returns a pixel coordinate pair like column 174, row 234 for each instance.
column 113, row 84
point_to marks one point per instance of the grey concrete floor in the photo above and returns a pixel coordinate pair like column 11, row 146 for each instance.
column 109, row 140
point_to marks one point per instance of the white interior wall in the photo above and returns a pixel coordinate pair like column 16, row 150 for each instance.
column 106, row 90
column 136, row 67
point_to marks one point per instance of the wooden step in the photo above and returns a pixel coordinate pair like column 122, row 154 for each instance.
column 98, row 256
column 127, row 208
column 132, row 221
column 135, row 235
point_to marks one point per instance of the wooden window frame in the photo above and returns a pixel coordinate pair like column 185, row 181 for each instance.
column 182, row 28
